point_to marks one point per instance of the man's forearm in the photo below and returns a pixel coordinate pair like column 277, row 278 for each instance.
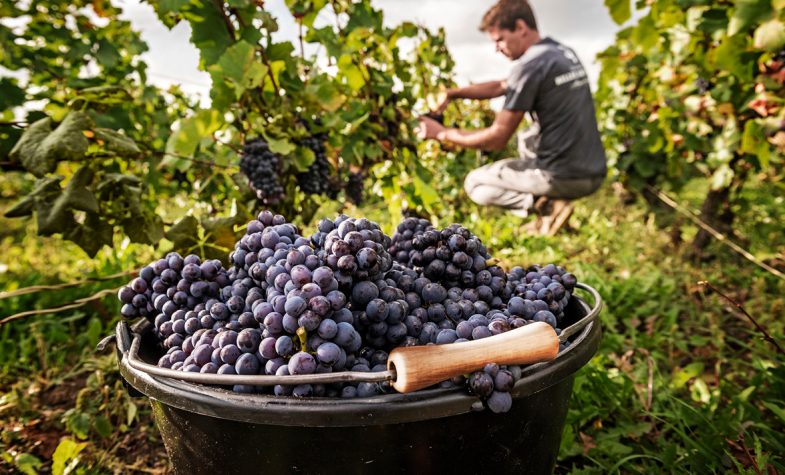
column 483, row 90
column 482, row 139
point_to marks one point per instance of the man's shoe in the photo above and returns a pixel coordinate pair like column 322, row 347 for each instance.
column 562, row 210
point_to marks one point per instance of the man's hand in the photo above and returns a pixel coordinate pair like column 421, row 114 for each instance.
column 447, row 98
column 428, row 128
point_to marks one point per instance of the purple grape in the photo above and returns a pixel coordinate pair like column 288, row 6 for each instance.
column 302, row 363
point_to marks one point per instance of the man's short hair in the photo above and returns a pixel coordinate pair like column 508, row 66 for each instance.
column 505, row 13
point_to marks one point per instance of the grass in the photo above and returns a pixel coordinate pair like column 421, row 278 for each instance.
column 683, row 382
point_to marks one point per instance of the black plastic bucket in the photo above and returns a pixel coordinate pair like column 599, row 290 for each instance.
column 211, row 430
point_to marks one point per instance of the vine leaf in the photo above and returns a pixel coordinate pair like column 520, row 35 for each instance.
column 11, row 95
column 770, row 36
column 76, row 195
column 92, row 235
column 233, row 74
column 183, row 233
column 145, row 228
column 45, row 189
column 26, row 149
column 620, row 10
column 68, row 141
column 208, row 29
column 280, row 146
column 220, row 231
column 117, row 143
column 729, row 56
column 747, row 13
column 188, row 136
column 41, row 147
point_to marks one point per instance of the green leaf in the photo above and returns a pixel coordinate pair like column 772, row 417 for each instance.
column 66, row 455
column 40, row 148
column 620, row 10
column 103, row 426
column 131, row 413
column 77, row 422
column 280, row 146
column 191, row 131
column 220, row 231
column 770, row 36
column 354, row 77
column 302, row 157
column 143, row 228
column 22, row 208
column 91, row 236
column 326, row 94
column 683, row 375
column 753, row 141
column 747, row 13
column 237, row 71
column 408, row 29
column 11, row 95
column 107, row 55
column 778, row 411
column 26, row 149
column 76, row 195
column 117, row 143
column 729, row 56
column 106, row 95
column 27, row 464
column 184, row 234
column 94, row 331
column 46, row 190
column 426, row 192
column 209, row 31
column 68, row 141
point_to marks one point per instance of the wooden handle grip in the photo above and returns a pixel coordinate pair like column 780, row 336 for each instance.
column 418, row 367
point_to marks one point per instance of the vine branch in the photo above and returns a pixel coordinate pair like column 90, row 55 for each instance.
column 736, row 304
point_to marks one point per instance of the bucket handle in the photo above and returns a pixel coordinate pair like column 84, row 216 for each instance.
column 590, row 317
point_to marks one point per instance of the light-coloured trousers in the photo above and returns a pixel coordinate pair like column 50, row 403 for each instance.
column 515, row 184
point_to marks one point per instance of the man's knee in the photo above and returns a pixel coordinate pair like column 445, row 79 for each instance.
column 483, row 195
column 471, row 182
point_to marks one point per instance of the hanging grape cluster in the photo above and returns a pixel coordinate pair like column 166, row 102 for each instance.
column 318, row 179
column 261, row 166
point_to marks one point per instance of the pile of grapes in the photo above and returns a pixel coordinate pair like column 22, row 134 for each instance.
column 339, row 300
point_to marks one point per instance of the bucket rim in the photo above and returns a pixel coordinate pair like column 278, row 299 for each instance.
column 344, row 412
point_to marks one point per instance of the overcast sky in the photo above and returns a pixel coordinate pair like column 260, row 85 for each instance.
column 583, row 25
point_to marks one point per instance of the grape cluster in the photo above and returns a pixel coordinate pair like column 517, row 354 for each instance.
column 174, row 294
column 261, row 166
column 406, row 231
column 337, row 301
column 541, row 293
column 354, row 188
column 356, row 249
column 703, row 85
column 458, row 259
column 317, row 179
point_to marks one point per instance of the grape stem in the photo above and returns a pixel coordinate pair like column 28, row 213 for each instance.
column 302, row 334
column 760, row 328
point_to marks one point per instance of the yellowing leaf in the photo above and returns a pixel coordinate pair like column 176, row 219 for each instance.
column 770, row 36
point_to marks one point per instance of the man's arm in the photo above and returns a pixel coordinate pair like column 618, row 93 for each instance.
column 494, row 137
column 483, row 90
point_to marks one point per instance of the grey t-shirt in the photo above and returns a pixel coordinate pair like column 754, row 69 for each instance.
column 549, row 81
